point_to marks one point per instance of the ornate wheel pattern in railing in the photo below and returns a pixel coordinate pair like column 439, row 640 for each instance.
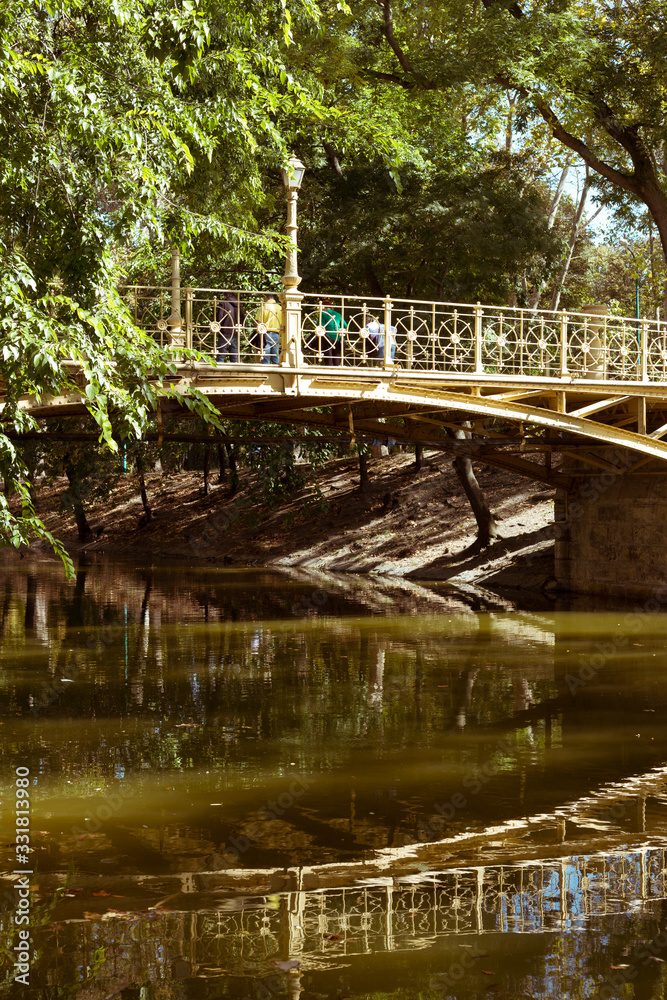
column 623, row 351
column 500, row 345
column 360, row 345
column 318, row 926
column 657, row 356
column 541, row 348
column 426, row 336
column 317, row 345
column 413, row 341
column 586, row 351
column 150, row 310
column 456, row 343
column 205, row 330
column 248, row 337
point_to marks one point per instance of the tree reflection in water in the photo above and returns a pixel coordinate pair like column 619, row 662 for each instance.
column 169, row 714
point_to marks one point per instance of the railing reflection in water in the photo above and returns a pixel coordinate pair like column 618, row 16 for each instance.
column 247, row 935
column 423, row 336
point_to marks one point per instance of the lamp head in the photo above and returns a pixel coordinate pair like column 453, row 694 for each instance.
column 293, row 173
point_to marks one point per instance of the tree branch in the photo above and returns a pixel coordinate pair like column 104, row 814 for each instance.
column 406, row 66
column 514, row 9
column 391, row 78
column 332, row 158
column 405, row 63
column 628, row 182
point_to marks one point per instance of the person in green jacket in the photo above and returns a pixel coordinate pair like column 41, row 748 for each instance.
column 334, row 325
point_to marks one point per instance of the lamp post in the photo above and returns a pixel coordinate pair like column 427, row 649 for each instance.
column 291, row 353
column 292, row 177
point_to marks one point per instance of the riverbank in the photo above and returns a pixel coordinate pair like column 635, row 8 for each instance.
column 407, row 523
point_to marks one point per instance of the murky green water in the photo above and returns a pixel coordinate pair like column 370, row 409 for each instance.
column 254, row 784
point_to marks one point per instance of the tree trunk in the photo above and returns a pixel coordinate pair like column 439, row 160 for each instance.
column 574, row 233
column 77, row 503
column 233, row 472
column 487, row 529
column 206, row 464
column 374, row 285
column 534, row 300
column 222, row 460
column 419, row 456
column 364, row 481
column 142, row 488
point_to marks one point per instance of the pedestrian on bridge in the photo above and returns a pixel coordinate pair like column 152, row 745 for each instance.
column 392, row 343
column 376, row 335
column 269, row 320
column 374, row 329
column 334, row 326
column 229, row 314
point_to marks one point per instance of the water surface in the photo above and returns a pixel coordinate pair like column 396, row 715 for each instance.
column 251, row 783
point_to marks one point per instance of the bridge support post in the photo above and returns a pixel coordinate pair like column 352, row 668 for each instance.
column 176, row 332
column 643, row 351
column 291, row 348
column 387, row 360
column 595, row 362
column 189, row 299
column 563, row 345
column 611, row 536
column 479, row 337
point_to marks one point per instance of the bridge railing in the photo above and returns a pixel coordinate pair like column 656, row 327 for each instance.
column 202, row 319
column 427, row 336
column 464, row 338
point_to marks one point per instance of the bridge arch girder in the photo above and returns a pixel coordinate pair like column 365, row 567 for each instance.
column 286, row 395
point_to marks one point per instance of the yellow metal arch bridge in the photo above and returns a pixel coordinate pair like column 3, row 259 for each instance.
column 554, row 396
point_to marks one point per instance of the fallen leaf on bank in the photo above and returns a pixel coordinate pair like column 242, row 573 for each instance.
column 102, row 892
column 485, row 973
column 73, row 891
column 92, row 916
column 624, row 966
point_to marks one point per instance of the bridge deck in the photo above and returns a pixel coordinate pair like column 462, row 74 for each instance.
column 520, row 385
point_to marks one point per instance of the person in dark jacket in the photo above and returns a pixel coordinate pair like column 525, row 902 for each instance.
column 230, row 316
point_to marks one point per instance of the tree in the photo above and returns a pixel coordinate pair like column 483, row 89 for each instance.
column 122, row 126
column 595, row 74
column 459, row 236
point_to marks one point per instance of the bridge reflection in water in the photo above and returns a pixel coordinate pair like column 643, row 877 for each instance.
column 550, row 847
column 318, row 929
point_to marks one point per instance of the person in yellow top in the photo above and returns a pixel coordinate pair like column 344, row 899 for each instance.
column 269, row 320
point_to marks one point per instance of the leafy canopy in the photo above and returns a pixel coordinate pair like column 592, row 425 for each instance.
column 122, row 123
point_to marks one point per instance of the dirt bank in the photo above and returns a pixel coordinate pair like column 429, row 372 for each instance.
column 408, row 523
